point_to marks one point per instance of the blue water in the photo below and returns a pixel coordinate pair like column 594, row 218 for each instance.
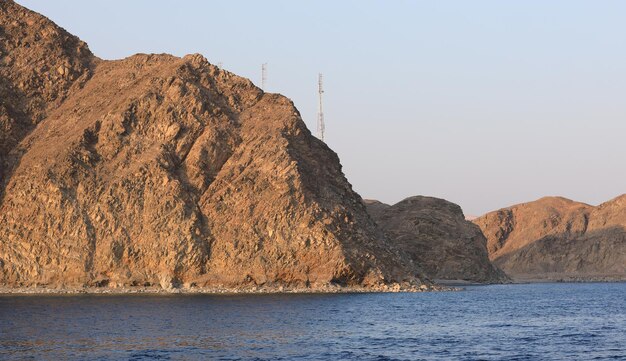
column 557, row 321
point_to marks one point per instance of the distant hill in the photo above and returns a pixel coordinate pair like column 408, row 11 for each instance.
column 435, row 234
column 557, row 238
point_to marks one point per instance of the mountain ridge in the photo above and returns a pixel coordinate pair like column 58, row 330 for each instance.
column 557, row 238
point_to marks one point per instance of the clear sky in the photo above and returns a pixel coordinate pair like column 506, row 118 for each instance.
column 483, row 103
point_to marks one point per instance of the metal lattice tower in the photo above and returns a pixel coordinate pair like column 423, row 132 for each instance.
column 263, row 76
column 320, row 110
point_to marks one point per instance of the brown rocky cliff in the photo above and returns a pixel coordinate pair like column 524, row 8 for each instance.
column 531, row 221
column 435, row 234
column 40, row 64
column 556, row 238
column 161, row 170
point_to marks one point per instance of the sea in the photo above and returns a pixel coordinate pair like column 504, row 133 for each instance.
column 539, row 321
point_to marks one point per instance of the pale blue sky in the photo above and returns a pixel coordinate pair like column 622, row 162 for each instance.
column 484, row 103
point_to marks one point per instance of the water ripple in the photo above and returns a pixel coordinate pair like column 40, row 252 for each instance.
column 500, row 322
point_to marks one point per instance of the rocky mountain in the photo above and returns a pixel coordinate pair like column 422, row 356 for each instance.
column 435, row 234
column 40, row 65
column 159, row 170
column 557, row 238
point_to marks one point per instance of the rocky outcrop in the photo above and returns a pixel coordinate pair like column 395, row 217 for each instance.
column 435, row 234
column 158, row 170
column 556, row 238
column 40, row 64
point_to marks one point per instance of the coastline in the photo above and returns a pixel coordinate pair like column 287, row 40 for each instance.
column 7, row 291
column 560, row 278
column 440, row 285
column 463, row 283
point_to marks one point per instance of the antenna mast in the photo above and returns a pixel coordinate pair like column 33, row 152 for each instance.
column 320, row 110
column 263, row 76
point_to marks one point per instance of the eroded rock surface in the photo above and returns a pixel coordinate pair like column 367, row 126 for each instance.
column 158, row 170
column 435, row 234
column 40, row 64
column 557, row 238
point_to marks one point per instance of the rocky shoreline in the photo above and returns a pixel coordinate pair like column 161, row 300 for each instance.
column 223, row 290
column 442, row 286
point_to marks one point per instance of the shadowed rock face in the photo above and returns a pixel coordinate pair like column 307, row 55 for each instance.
column 435, row 234
column 163, row 170
column 557, row 238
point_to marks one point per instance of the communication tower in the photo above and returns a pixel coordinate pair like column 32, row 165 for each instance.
column 320, row 109
column 263, row 76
